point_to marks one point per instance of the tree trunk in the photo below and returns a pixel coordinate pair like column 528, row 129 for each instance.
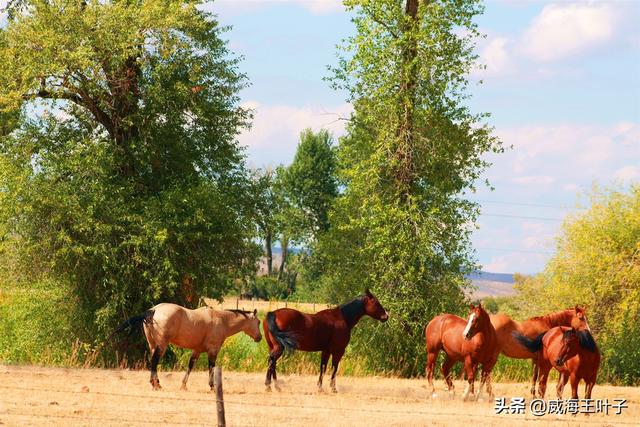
column 268, row 252
column 284, row 242
column 404, row 174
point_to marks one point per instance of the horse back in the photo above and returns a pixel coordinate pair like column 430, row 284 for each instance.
column 182, row 326
column 313, row 332
column 440, row 326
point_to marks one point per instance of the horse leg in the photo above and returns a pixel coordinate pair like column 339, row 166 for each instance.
column 324, row 360
column 562, row 381
column 588, row 388
column 335, row 360
column 155, row 359
column 274, row 355
column 485, row 378
column 212, row 355
column 192, row 361
column 432, row 357
column 536, row 371
column 543, row 377
column 470, row 368
column 446, row 373
column 575, row 381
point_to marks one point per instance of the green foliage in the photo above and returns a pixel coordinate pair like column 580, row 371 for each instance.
column 412, row 149
column 309, row 186
column 269, row 287
column 123, row 180
column 36, row 324
column 597, row 263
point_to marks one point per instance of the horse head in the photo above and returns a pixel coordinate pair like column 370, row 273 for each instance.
column 579, row 319
column 568, row 346
column 477, row 317
column 373, row 308
column 252, row 326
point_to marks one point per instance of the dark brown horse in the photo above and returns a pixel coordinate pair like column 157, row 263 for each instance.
column 573, row 353
column 472, row 340
column 506, row 329
column 327, row 331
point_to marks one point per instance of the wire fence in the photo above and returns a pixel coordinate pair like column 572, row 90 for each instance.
column 251, row 304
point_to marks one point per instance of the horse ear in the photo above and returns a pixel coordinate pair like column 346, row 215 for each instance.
column 472, row 306
column 367, row 292
column 255, row 312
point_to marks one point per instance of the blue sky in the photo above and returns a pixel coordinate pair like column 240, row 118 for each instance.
column 562, row 86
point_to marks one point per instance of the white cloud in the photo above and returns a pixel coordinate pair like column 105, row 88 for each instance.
column 496, row 56
column 563, row 30
column 274, row 134
column 568, row 154
column 534, row 180
column 516, row 262
column 239, row 7
column 628, row 173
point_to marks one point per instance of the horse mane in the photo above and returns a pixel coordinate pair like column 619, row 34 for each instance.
column 352, row 309
column 586, row 341
column 237, row 311
column 554, row 319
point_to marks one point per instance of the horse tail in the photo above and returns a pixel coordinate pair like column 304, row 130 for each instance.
column 286, row 339
column 145, row 317
column 533, row 345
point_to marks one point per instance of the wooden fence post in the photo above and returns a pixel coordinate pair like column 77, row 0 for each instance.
column 219, row 399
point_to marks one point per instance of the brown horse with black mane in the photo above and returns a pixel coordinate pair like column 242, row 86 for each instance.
column 328, row 331
column 507, row 329
column 571, row 352
column 472, row 340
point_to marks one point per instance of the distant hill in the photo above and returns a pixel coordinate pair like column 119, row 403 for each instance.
column 491, row 284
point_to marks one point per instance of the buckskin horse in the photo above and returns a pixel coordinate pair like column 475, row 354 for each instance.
column 506, row 328
column 472, row 340
column 328, row 331
column 573, row 353
column 203, row 331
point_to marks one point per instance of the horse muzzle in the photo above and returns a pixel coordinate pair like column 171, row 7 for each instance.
column 258, row 338
column 559, row 361
column 384, row 317
column 467, row 337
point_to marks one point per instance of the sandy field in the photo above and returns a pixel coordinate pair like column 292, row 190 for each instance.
column 88, row 397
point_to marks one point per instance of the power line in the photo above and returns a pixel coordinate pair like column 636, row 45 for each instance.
column 515, row 250
column 523, row 217
column 537, row 205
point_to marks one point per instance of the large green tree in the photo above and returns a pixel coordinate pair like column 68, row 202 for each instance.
column 124, row 179
column 412, row 150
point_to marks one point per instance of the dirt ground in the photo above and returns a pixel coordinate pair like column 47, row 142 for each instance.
column 39, row 396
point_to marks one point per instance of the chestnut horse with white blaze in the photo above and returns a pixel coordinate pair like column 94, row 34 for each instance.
column 507, row 329
column 573, row 353
column 328, row 331
column 472, row 340
column 203, row 330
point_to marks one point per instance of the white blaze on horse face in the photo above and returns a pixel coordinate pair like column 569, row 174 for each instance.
column 468, row 328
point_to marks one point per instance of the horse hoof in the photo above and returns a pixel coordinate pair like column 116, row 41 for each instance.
column 183, row 387
column 267, row 388
column 333, row 390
